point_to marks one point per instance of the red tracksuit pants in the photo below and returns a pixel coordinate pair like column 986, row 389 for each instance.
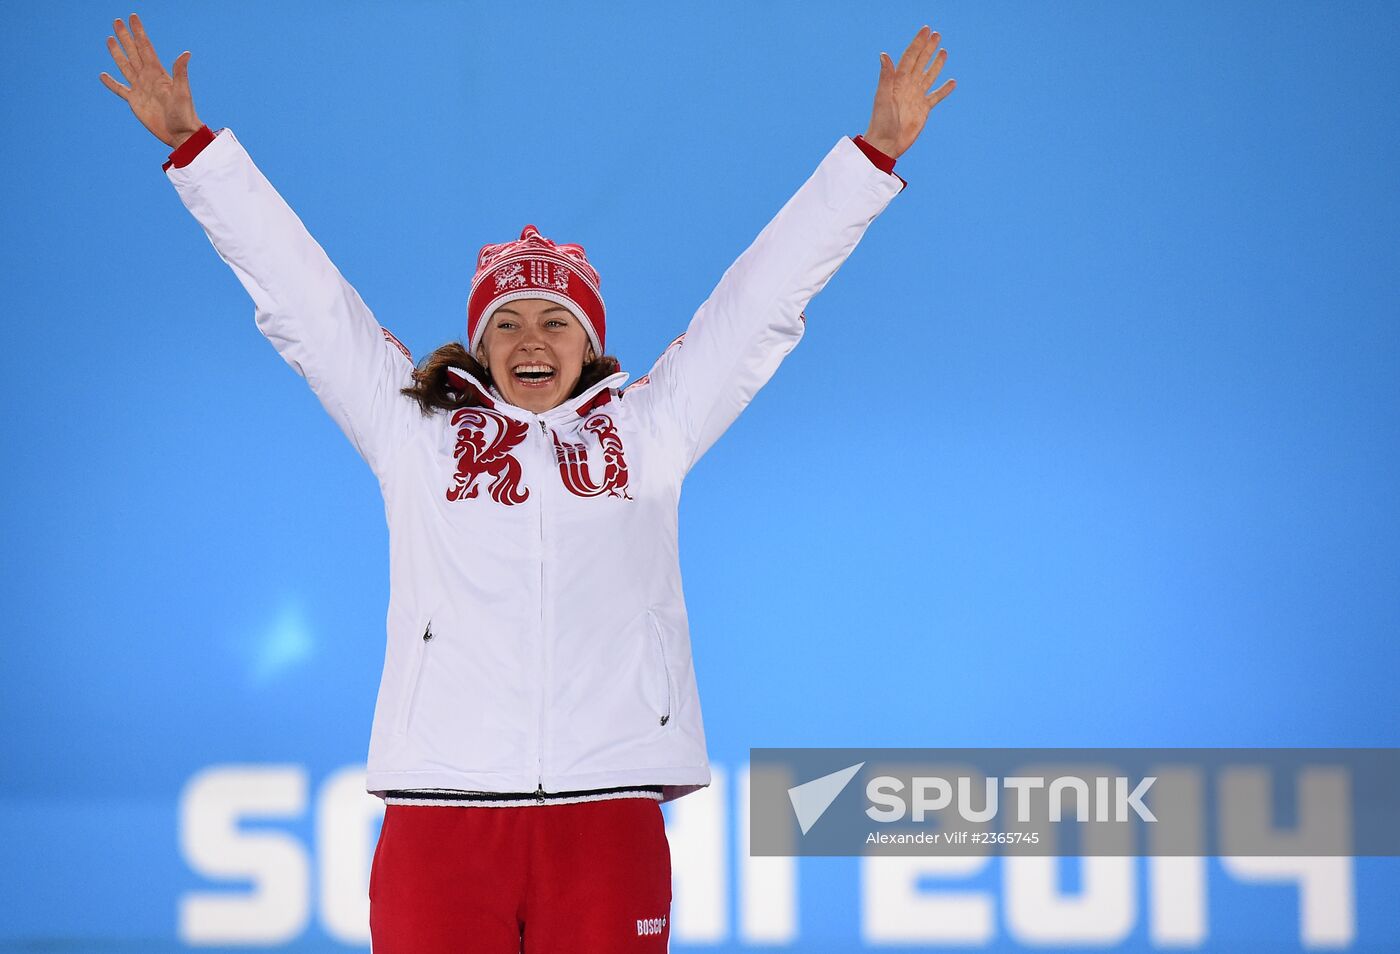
column 582, row 878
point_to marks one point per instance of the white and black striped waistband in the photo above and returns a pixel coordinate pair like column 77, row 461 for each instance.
column 457, row 797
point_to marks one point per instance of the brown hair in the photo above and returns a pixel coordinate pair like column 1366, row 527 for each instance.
column 432, row 390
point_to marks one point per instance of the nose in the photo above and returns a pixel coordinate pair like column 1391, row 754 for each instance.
column 531, row 341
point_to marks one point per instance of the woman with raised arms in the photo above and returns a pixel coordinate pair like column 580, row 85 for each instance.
column 538, row 699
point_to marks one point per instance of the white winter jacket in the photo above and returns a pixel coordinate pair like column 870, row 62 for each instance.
column 537, row 632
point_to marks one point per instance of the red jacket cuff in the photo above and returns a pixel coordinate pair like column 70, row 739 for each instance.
column 184, row 154
column 881, row 161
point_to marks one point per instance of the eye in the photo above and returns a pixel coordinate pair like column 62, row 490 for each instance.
column 505, row 324
column 558, row 321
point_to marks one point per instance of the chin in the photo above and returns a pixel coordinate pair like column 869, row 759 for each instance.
column 536, row 402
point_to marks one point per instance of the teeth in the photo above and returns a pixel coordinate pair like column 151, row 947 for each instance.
column 533, row 375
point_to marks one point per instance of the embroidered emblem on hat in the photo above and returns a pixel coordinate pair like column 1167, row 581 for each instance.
column 547, row 275
column 509, row 277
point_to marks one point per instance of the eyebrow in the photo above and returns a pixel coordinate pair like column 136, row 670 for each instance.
column 512, row 311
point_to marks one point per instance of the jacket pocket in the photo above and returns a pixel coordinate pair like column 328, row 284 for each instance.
column 421, row 650
column 659, row 641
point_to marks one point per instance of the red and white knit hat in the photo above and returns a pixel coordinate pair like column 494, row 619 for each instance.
column 535, row 267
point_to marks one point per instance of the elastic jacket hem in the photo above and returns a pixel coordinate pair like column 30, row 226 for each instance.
column 674, row 782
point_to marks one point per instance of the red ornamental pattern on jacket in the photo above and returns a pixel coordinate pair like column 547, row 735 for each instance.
column 486, row 440
column 573, row 461
column 481, row 454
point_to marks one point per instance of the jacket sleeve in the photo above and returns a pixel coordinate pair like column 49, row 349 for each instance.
column 754, row 316
column 302, row 304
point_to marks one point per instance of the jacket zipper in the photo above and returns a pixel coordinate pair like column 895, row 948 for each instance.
column 544, row 682
column 427, row 634
column 417, row 676
column 661, row 645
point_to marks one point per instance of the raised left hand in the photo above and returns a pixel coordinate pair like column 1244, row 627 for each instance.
column 902, row 100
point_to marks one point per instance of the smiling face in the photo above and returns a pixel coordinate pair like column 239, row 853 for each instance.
column 535, row 350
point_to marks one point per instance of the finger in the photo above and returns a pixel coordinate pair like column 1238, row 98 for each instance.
column 927, row 53
column 911, row 51
column 922, row 54
column 129, row 44
column 143, row 44
column 926, row 79
column 114, row 86
column 123, row 64
column 938, row 95
column 180, row 69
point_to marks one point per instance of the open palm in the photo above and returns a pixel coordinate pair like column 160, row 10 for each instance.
column 902, row 99
column 161, row 100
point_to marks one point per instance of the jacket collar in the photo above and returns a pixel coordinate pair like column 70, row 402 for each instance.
column 597, row 395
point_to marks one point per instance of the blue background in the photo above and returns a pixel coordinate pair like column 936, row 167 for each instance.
column 1094, row 440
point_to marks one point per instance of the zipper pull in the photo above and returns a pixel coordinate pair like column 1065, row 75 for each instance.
column 539, row 793
column 543, row 429
column 428, row 633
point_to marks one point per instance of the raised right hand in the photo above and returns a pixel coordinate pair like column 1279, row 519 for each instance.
column 161, row 101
